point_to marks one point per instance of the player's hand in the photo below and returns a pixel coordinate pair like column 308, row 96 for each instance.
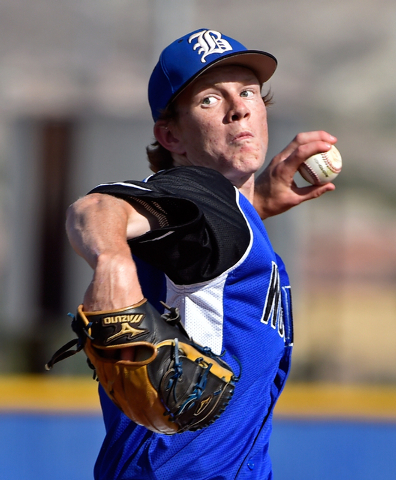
column 275, row 189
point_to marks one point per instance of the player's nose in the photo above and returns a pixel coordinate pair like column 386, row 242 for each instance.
column 238, row 109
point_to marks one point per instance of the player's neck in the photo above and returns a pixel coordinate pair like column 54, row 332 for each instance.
column 247, row 189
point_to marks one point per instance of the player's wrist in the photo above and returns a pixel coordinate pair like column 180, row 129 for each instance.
column 113, row 257
column 115, row 283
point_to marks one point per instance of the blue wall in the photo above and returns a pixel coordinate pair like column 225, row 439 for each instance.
column 333, row 450
column 49, row 447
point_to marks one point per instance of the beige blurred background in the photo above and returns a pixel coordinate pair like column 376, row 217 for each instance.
column 74, row 113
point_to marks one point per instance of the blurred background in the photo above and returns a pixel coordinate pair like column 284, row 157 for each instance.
column 74, row 113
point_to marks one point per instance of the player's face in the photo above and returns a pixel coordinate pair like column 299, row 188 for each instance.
column 222, row 123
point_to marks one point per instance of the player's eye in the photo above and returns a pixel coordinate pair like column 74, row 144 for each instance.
column 247, row 93
column 209, row 100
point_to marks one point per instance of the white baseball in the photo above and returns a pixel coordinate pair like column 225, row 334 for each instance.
column 322, row 168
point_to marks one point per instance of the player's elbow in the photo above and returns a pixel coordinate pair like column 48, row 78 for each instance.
column 81, row 207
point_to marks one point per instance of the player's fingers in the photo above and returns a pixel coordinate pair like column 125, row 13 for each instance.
column 318, row 135
column 303, row 152
column 305, row 138
column 315, row 191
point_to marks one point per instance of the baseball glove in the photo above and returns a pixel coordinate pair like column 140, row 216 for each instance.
column 171, row 385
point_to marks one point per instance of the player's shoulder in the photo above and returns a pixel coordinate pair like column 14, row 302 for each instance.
column 191, row 171
column 190, row 175
column 201, row 185
column 174, row 181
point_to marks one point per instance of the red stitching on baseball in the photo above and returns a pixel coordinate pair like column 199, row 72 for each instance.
column 329, row 163
column 309, row 170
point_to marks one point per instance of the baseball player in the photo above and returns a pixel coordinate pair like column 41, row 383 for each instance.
column 192, row 235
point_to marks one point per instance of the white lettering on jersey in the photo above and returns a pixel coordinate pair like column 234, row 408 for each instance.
column 273, row 312
column 208, row 42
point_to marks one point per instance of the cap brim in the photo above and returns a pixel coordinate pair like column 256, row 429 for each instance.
column 263, row 64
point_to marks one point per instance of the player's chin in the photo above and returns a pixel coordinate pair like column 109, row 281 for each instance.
column 248, row 165
column 247, row 160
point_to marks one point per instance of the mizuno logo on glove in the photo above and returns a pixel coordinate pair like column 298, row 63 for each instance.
column 136, row 318
column 126, row 329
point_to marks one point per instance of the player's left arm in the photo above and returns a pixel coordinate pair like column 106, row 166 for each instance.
column 275, row 189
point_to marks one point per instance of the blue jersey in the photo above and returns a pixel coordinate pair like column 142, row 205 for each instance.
column 211, row 258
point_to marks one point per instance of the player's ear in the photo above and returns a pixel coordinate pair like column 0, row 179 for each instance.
column 166, row 134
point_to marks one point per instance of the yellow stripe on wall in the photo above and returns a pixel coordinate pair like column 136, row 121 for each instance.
column 49, row 394
column 338, row 401
column 53, row 394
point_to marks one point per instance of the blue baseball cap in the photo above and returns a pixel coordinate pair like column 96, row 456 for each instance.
column 188, row 57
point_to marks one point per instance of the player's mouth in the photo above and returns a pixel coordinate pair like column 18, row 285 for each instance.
column 242, row 136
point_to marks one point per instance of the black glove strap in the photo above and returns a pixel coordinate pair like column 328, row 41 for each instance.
column 64, row 352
